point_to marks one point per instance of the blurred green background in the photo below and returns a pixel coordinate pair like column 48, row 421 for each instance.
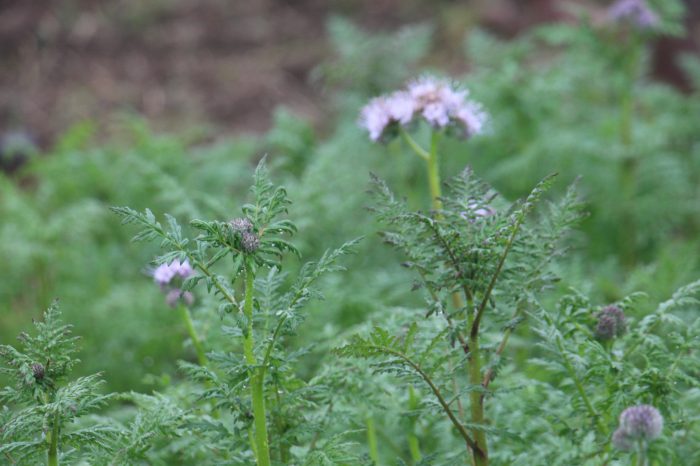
column 169, row 105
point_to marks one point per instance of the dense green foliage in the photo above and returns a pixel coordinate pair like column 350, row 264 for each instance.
column 457, row 329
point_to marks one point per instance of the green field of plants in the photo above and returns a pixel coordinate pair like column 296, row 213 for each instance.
column 500, row 266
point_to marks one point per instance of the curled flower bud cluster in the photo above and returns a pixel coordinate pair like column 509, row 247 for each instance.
column 249, row 240
column 611, row 323
column 170, row 277
column 635, row 12
column 434, row 100
column 241, row 225
column 38, row 372
column 637, row 423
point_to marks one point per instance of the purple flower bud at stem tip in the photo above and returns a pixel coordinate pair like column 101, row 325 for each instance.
column 611, row 323
column 38, row 372
column 250, row 242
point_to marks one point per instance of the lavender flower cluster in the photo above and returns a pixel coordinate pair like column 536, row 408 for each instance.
column 637, row 423
column 432, row 99
column 635, row 12
column 166, row 275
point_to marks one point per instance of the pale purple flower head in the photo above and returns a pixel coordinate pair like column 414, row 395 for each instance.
column 435, row 100
column 170, row 277
column 375, row 117
column 611, row 323
column 175, row 295
column 472, row 118
column 165, row 273
column 401, row 107
column 636, row 12
column 642, row 422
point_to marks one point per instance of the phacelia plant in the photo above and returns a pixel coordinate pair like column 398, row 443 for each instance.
column 41, row 408
column 252, row 378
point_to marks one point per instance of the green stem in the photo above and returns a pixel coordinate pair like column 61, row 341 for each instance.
column 189, row 325
column 434, row 174
column 256, row 377
column 476, row 399
column 413, row 445
column 436, row 391
column 420, row 152
column 372, row 440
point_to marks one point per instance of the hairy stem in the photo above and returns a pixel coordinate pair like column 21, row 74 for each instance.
column 256, row 377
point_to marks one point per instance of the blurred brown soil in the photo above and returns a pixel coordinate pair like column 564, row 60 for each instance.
column 185, row 63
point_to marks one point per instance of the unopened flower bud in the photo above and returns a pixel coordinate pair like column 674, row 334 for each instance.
column 611, row 323
column 250, row 242
column 38, row 372
column 241, row 225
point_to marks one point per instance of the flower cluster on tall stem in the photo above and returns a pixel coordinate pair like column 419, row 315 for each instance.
column 447, row 110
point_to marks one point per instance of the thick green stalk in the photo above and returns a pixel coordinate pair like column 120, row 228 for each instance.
column 256, row 377
column 480, row 453
column 52, row 455
column 372, row 440
column 476, row 400
column 434, row 174
column 189, row 325
column 413, row 445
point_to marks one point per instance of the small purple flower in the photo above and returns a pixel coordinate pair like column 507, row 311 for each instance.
column 375, row 117
column 175, row 295
column 401, row 107
column 642, row 422
column 437, row 101
column 165, row 273
column 636, row 12
column 611, row 323
column 472, row 117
